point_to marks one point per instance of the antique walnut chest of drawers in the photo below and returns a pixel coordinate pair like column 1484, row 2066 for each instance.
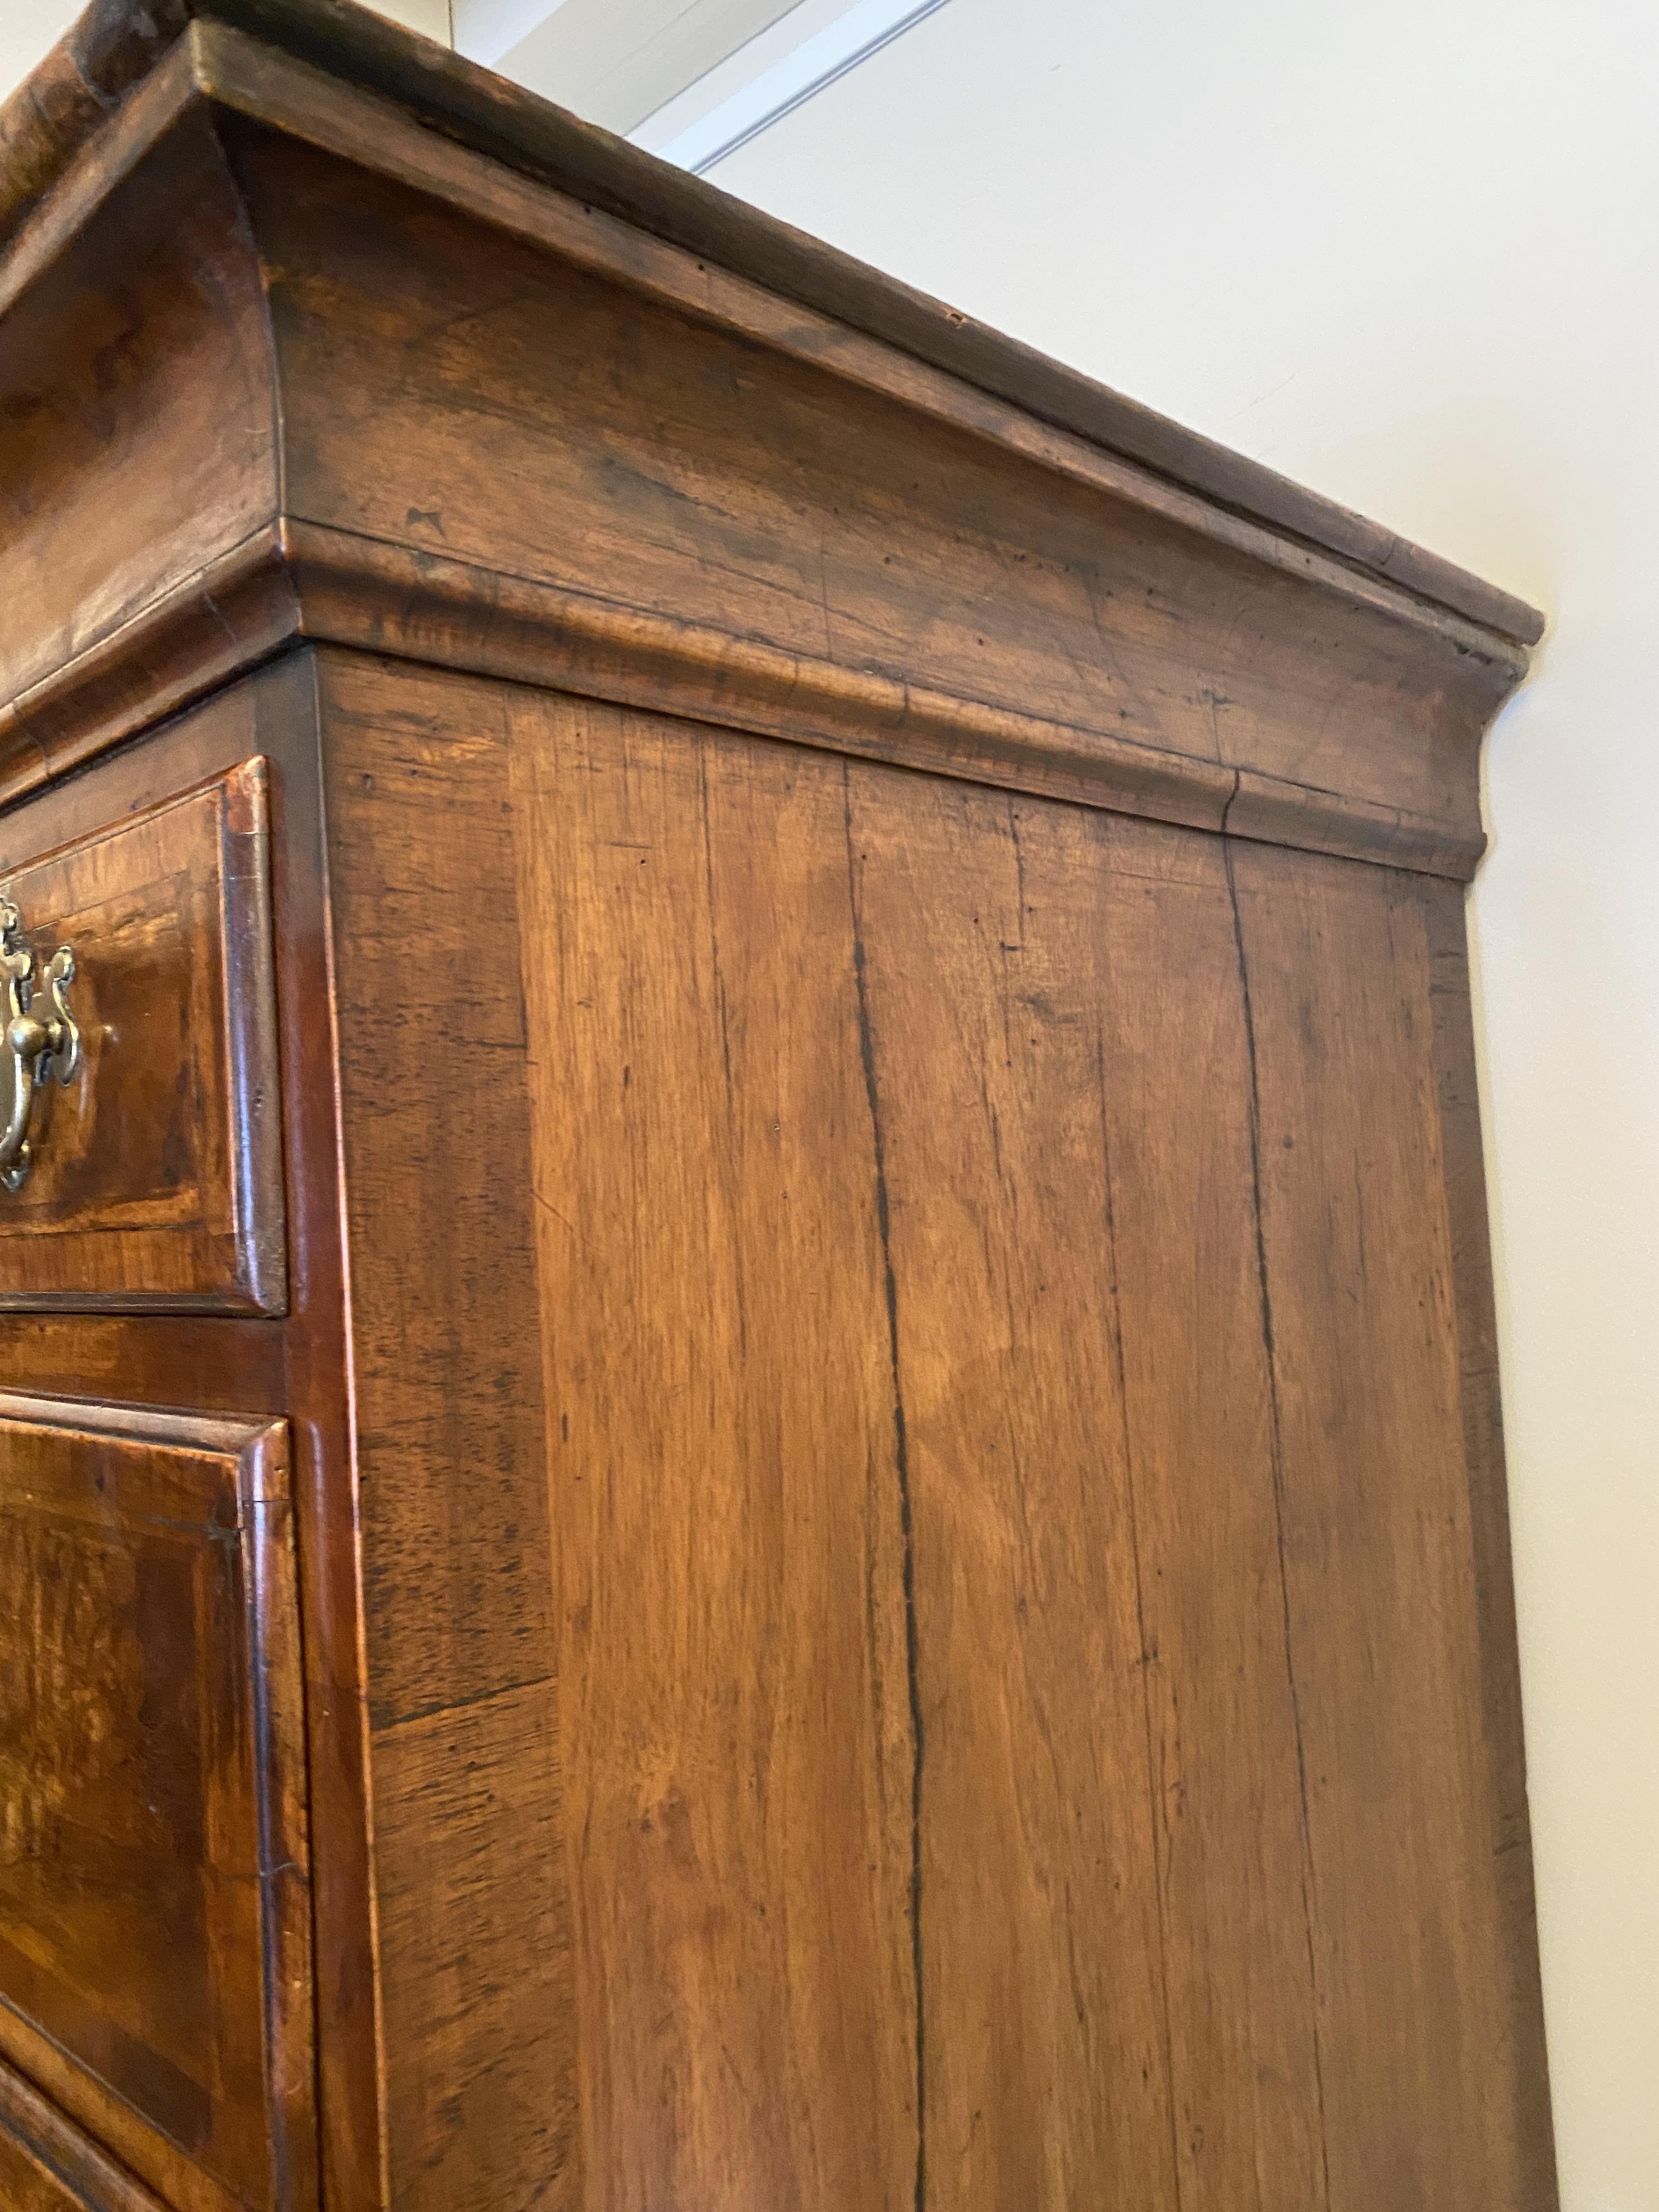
column 748, row 1455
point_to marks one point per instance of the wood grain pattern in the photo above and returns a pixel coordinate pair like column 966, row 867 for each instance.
column 231, row 615
column 1098, row 1253
column 283, row 703
column 903, row 1587
column 361, row 593
column 317, row 108
column 138, row 437
column 985, row 1087
column 155, row 1912
column 224, row 1364
column 728, row 1492
column 85, row 83
column 764, row 499
column 1470, row 1246
column 156, row 1179
column 1408, row 1814
column 1181, row 1220
column 992, row 592
column 46, row 2164
column 456, row 1546
column 858, row 1107
column 475, row 1956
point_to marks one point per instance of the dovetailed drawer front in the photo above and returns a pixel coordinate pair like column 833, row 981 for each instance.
column 153, row 1174
column 154, row 1950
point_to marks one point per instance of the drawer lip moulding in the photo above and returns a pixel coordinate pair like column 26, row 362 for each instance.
column 154, row 1180
column 155, row 1901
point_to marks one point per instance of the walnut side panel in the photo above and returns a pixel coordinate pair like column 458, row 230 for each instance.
column 1111, row 1787
column 738, row 1706
column 844, row 1065
column 476, row 2010
column 1470, row 1241
column 1434, row 2077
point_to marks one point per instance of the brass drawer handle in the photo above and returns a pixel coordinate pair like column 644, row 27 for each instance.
column 36, row 1050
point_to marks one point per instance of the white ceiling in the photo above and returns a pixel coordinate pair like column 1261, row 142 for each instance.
column 28, row 31
column 690, row 79
column 614, row 64
column 816, row 45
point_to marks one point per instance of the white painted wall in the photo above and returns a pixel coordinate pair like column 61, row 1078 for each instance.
column 1410, row 255
column 430, row 17
column 29, row 29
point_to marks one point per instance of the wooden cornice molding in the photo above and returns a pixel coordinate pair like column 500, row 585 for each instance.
column 510, row 420
column 301, row 582
column 78, row 91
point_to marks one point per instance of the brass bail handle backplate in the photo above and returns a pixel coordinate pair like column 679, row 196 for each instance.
column 38, row 1047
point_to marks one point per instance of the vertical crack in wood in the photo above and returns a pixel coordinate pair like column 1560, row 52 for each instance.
column 902, row 1457
column 1276, row 1461
column 1153, row 1810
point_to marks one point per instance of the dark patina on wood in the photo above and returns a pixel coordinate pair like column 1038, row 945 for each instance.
column 155, row 1912
column 158, row 1178
column 885, row 1345
column 997, row 585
